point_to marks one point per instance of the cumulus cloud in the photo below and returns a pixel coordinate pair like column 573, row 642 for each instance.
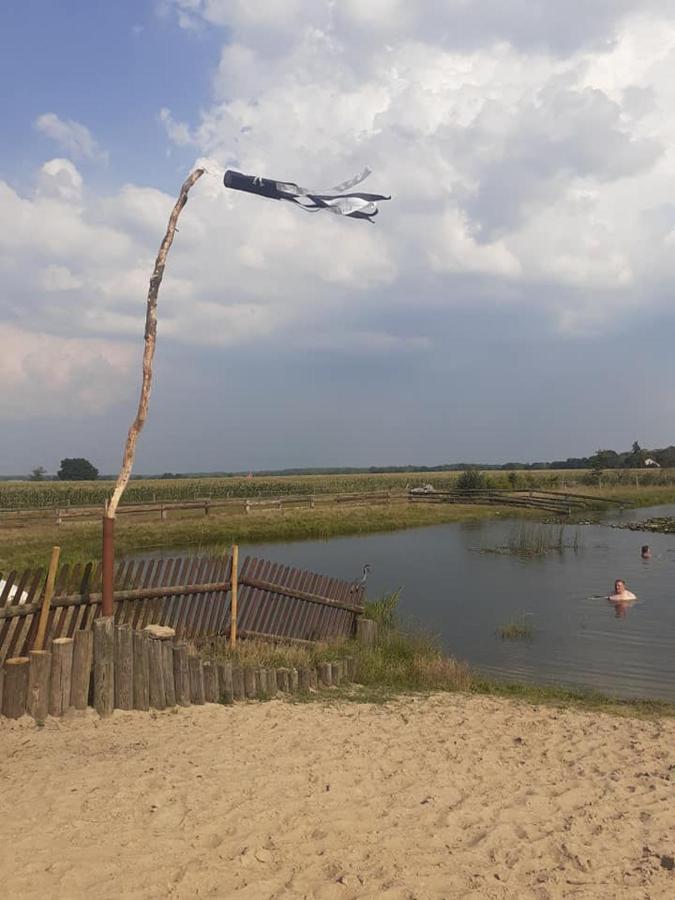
column 43, row 374
column 72, row 136
column 528, row 154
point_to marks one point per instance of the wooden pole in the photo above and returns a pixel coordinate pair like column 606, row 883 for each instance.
column 83, row 654
column 210, row 682
column 234, row 595
column 157, row 693
column 250, row 685
column 167, row 669
column 104, row 655
column 181, row 674
column 61, row 677
column 141, row 671
column 124, row 667
column 196, row 679
column 39, row 642
column 146, row 386
column 38, row 685
column 238, row 689
column 15, row 691
column 225, row 682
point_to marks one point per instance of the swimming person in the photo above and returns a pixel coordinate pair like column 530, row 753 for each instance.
column 622, row 598
column 646, row 553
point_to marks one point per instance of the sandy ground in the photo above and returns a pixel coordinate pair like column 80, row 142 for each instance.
column 450, row 796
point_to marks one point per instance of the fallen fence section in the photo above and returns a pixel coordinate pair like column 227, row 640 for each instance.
column 547, row 501
column 191, row 595
column 149, row 669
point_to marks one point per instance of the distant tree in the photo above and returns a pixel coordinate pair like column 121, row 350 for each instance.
column 37, row 474
column 77, row 469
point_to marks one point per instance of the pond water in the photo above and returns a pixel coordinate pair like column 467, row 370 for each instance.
column 453, row 587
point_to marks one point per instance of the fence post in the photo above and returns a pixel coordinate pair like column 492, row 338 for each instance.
column 104, row 671
column 83, row 653
column 196, row 679
column 38, row 685
column 124, row 671
column 234, row 595
column 39, row 642
column 61, row 678
column 181, row 674
column 141, row 671
column 167, row 667
column 157, row 693
column 15, row 691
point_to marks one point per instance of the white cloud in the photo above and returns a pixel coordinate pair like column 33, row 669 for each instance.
column 72, row 136
column 529, row 156
column 42, row 374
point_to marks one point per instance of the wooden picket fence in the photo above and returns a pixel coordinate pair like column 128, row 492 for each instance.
column 192, row 595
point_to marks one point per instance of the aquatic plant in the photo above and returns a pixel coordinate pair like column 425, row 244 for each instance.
column 519, row 629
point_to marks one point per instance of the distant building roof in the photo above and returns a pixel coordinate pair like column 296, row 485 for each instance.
column 652, row 462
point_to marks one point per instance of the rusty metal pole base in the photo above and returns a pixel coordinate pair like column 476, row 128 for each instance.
column 108, row 565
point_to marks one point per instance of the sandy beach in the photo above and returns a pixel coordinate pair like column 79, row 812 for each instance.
column 447, row 796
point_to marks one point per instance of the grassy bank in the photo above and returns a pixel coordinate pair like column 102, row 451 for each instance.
column 30, row 546
column 405, row 661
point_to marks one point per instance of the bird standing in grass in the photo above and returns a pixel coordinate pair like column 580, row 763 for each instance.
column 361, row 583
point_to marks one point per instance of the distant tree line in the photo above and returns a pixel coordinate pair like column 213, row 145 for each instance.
column 77, row 469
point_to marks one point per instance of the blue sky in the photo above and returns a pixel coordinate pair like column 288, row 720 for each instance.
column 513, row 300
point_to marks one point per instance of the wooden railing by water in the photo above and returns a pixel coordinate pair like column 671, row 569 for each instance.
column 547, row 501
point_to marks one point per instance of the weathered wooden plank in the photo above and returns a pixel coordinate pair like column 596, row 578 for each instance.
column 181, row 674
column 104, row 651
column 61, row 675
column 38, row 685
column 124, row 667
column 15, row 689
column 83, row 655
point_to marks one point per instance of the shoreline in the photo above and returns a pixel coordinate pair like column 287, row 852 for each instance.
column 30, row 545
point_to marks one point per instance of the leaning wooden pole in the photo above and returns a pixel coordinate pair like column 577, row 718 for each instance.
column 144, row 400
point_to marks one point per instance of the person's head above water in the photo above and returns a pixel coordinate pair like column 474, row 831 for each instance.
column 645, row 552
column 619, row 586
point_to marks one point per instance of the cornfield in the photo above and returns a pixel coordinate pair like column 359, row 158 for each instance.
column 34, row 495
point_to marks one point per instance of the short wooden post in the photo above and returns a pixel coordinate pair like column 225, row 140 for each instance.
column 238, row 689
column 303, row 679
column 313, row 679
column 234, row 594
column 124, row 667
column 181, row 674
column 261, row 683
column 210, row 682
column 250, row 683
column 366, row 632
column 61, row 676
column 293, row 680
column 167, row 670
column 336, row 672
column 39, row 642
column 83, row 654
column 196, row 669
column 350, row 668
column 141, row 670
column 282, row 680
column 225, row 682
column 104, row 665
column 271, row 676
column 38, row 685
column 325, row 674
column 2, row 685
column 15, row 689
column 156, row 668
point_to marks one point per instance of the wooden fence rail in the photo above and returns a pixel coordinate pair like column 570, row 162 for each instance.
column 191, row 595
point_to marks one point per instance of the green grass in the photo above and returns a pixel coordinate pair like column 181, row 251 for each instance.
column 80, row 542
column 519, row 629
